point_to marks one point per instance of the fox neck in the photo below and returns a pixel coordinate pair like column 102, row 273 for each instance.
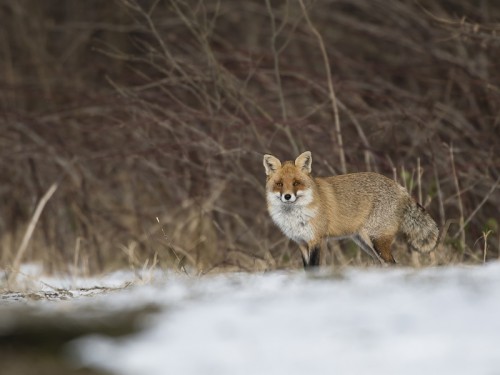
column 294, row 219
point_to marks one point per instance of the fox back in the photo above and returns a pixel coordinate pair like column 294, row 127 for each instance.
column 368, row 207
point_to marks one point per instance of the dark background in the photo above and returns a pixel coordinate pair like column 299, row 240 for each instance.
column 153, row 116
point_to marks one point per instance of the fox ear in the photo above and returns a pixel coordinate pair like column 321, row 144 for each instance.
column 271, row 163
column 304, row 161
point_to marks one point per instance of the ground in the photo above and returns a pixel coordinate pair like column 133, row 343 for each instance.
column 351, row 321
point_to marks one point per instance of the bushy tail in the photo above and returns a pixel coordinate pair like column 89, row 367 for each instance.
column 419, row 227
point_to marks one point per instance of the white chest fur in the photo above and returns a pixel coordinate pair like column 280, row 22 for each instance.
column 293, row 219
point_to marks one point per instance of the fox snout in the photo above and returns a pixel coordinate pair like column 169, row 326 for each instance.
column 285, row 197
column 288, row 198
column 300, row 197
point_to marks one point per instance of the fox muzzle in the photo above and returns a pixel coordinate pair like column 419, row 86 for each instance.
column 288, row 198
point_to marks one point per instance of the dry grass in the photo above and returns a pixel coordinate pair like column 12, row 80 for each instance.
column 152, row 117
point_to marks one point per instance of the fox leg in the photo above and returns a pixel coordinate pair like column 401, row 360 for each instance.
column 365, row 243
column 383, row 247
column 314, row 254
column 310, row 255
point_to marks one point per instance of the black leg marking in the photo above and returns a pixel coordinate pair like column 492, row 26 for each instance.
column 314, row 257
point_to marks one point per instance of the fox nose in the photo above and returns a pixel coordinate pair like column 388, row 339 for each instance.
column 288, row 197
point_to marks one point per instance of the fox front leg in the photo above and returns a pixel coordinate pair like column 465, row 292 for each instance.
column 310, row 255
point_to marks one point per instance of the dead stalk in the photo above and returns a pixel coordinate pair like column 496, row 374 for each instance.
column 461, row 221
column 419, row 182
column 485, row 246
column 29, row 232
column 442, row 218
column 76, row 256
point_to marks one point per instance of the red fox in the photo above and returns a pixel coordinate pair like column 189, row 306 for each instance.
column 368, row 207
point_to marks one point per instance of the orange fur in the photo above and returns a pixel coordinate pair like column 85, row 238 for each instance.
column 368, row 207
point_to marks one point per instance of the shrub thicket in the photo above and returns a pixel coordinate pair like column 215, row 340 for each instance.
column 152, row 117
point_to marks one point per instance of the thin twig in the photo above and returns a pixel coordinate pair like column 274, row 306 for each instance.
column 333, row 97
column 485, row 199
column 276, row 60
column 442, row 217
column 419, row 181
column 171, row 248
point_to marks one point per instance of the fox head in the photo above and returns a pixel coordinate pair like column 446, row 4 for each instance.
column 291, row 182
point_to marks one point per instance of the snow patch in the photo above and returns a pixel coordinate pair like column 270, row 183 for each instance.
column 387, row 321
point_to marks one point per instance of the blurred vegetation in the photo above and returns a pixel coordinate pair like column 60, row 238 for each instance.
column 152, row 117
column 39, row 342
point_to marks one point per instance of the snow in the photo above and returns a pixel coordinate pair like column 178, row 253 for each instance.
column 378, row 321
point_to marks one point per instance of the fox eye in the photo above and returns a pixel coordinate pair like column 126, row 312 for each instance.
column 279, row 184
column 296, row 183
